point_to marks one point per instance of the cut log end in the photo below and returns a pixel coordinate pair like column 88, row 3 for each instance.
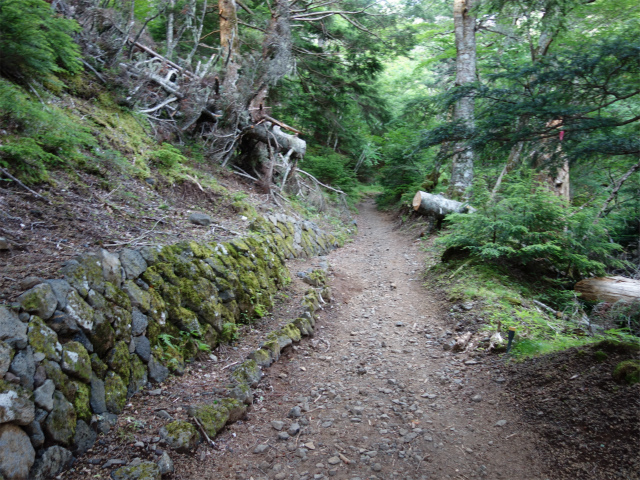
column 417, row 200
column 609, row 289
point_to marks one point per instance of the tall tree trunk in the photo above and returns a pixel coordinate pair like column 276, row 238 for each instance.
column 229, row 45
column 464, row 25
column 170, row 22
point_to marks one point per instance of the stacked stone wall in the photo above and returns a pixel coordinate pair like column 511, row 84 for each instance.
column 73, row 350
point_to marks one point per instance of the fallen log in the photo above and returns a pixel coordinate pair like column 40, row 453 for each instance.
column 609, row 289
column 437, row 205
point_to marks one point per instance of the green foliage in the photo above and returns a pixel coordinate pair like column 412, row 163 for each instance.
column 330, row 167
column 229, row 332
column 34, row 42
column 167, row 157
column 42, row 136
column 530, row 224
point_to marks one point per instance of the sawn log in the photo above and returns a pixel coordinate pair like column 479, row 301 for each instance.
column 437, row 205
column 609, row 289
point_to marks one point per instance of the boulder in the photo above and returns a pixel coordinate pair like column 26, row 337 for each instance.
column 165, row 464
column 16, row 453
column 43, row 395
column 61, row 289
column 180, row 435
column 79, row 311
column 12, row 330
column 139, row 298
column 52, row 462
column 39, row 300
column 60, row 425
column 133, row 263
column 24, row 367
column 76, row 361
column 15, row 404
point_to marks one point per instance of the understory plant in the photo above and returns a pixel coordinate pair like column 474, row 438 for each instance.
column 528, row 224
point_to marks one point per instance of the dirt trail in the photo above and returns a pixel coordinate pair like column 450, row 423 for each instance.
column 377, row 396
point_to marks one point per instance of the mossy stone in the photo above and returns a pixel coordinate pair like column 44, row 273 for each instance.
column 237, row 409
column 185, row 268
column 200, row 250
column 117, row 296
column 213, row 417
column 138, row 376
column 145, row 470
column 157, row 309
column 98, row 366
column 171, row 295
column 153, row 277
column 292, row 332
column 121, row 320
column 76, row 361
column 102, row 337
column 261, row 357
column 211, row 313
column 304, row 326
column 273, row 347
column 180, row 435
column 79, row 310
column 627, row 372
column 43, row 339
column 139, row 298
column 81, row 402
column 247, row 372
column 185, row 320
column 60, row 425
column 115, row 392
column 60, row 380
column 119, row 360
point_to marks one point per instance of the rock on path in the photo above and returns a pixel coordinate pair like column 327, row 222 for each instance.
column 373, row 395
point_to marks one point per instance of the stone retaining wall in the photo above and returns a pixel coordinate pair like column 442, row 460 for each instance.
column 73, row 350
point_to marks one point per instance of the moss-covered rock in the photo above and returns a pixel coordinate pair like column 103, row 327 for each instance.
column 262, row 357
column 60, row 425
column 303, row 325
column 76, row 361
column 119, row 360
column 248, row 372
column 138, row 376
column 141, row 471
column 43, row 339
column 241, row 392
column 16, row 404
column 237, row 409
column 627, row 372
column 185, row 320
column 39, row 300
column 272, row 345
column 103, row 336
column 153, row 277
column 180, row 436
column 211, row 313
column 115, row 392
column 121, row 320
column 117, row 296
column 158, row 308
column 81, row 402
column 98, row 366
column 213, row 417
column 79, row 310
column 292, row 332
column 61, row 381
column 138, row 297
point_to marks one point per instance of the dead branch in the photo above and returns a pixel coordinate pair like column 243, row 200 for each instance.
column 320, row 183
column 3, row 170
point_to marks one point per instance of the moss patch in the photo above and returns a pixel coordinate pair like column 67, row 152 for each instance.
column 81, row 402
column 119, row 360
column 627, row 372
column 115, row 392
column 213, row 417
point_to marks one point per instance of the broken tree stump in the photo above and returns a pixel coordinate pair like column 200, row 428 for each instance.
column 609, row 289
column 437, row 205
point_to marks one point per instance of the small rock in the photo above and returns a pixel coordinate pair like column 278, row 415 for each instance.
column 84, row 438
column 277, row 424
column 200, row 219
column 4, row 244
column 165, row 464
column 114, row 462
column 295, row 412
column 376, row 467
column 283, row 436
column 500, row 423
column 261, row 448
column 54, row 460
column 43, row 395
column 138, row 471
column 333, row 461
column 476, row 398
column 16, row 452
column 294, row 429
column 164, row 415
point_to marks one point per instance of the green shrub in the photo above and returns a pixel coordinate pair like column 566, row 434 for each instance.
column 167, row 157
column 34, row 42
column 530, row 224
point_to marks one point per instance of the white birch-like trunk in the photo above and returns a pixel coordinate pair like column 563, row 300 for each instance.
column 464, row 26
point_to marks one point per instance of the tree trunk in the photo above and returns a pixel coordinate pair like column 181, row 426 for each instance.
column 437, row 205
column 464, row 26
column 229, row 45
column 609, row 289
